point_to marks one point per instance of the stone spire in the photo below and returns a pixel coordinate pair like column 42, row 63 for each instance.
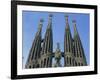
column 47, row 47
column 67, row 24
column 78, row 48
column 40, row 24
column 75, row 29
column 68, row 45
column 50, row 21
column 34, row 53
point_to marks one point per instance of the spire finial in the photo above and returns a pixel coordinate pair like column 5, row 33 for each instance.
column 50, row 17
column 74, row 22
column 40, row 24
column 41, row 20
column 67, row 24
column 50, row 21
column 74, row 25
column 66, row 16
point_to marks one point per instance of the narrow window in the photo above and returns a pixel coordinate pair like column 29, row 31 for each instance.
column 70, row 60
column 47, row 61
column 41, row 63
column 75, row 64
column 67, row 61
column 30, row 66
column 79, row 64
column 37, row 65
column 44, row 62
column 33, row 66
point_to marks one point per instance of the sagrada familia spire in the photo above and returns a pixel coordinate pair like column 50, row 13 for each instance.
column 47, row 48
column 41, row 52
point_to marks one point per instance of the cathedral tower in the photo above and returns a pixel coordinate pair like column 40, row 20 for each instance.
column 41, row 52
column 34, row 53
column 80, row 59
column 68, row 46
column 47, row 47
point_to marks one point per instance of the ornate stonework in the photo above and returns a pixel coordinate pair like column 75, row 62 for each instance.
column 41, row 52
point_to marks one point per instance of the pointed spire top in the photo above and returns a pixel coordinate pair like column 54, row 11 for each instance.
column 50, row 17
column 74, row 25
column 41, row 20
column 67, row 25
column 40, row 24
column 74, row 22
column 50, row 21
column 66, row 16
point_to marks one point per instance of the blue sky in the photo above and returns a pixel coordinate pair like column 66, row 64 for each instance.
column 30, row 20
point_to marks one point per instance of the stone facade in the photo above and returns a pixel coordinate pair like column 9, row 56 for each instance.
column 41, row 52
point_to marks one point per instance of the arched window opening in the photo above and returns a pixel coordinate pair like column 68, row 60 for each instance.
column 44, row 62
column 75, row 64
column 70, row 60
column 79, row 64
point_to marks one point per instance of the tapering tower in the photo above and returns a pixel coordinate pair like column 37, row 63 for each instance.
column 68, row 46
column 47, row 47
column 34, row 54
column 80, row 59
